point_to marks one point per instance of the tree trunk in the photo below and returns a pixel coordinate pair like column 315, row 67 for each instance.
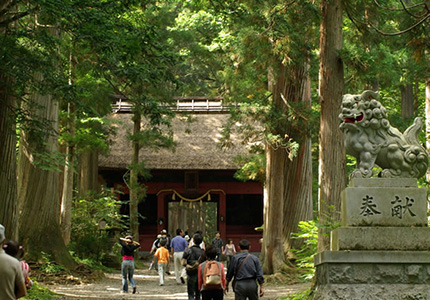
column 134, row 184
column 298, row 193
column 288, row 182
column 274, row 257
column 8, row 185
column 38, row 195
column 67, row 195
column 332, row 159
column 88, row 172
column 408, row 102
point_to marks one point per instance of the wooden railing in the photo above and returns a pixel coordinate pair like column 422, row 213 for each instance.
column 184, row 104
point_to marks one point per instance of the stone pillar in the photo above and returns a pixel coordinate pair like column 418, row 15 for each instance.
column 381, row 250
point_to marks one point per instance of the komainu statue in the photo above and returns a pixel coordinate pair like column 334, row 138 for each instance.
column 369, row 137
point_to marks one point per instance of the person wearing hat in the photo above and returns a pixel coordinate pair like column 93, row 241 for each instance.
column 127, row 266
column 12, row 284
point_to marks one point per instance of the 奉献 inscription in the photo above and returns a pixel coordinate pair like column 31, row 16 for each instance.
column 368, row 208
column 384, row 206
column 399, row 210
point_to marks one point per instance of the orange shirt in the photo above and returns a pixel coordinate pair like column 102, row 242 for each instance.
column 162, row 254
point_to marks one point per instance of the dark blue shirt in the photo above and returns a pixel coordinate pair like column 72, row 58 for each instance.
column 178, row 244
column 218, row 243
column 251, row 269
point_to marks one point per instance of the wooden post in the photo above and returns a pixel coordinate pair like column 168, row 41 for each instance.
column 222, row 214
column 161, row 213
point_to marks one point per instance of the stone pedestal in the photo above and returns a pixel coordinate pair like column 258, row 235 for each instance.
column 382, row 250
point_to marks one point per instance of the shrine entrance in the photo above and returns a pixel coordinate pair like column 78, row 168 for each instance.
column 193, row 216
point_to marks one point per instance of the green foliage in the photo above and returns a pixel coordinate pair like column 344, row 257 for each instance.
column 252, row 168
column 308, row 232
column 38, row 292
column 305, row 295
column 91, row 133
column 48, row 266
column 87, row 240
column 93, row 264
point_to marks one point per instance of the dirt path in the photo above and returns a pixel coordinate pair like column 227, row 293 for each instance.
column 148, row 288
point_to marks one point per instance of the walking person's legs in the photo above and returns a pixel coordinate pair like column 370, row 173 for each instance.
column 156, row 264
column 130, row 272
column 124, row 272
column 213, row 295
column 161, row 268
column 179, row 269
column 246, row 289
column 193, row 287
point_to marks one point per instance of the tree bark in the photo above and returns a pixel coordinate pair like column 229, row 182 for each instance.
column 274, row 256
column 134, row 184
column 38, row 193
column 298, row 194
column 39, row 227
column 8, row 184
column 408, row 101
column 67, row 194
column 288, row 186
column 88, row 173
column 332, row 160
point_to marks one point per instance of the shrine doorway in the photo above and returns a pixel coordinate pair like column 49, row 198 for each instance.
column 193, row 216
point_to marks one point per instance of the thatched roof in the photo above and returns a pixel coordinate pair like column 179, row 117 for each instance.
column 197, row 146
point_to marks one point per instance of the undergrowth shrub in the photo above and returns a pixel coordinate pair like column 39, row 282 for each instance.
column 308, row 231
column 48, row 266
column 305, row 295
column 38, row 292
column 87, row 240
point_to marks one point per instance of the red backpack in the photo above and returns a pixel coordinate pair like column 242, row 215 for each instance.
column 212, row 276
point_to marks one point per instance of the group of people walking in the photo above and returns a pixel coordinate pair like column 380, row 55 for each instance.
column 201, row 266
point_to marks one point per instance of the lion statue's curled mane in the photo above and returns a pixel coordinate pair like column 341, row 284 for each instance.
column 369, row 137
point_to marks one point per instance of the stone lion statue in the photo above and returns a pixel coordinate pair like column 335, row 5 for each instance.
column 369, row 137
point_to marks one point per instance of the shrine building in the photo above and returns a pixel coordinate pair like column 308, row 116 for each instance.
column 192, row 187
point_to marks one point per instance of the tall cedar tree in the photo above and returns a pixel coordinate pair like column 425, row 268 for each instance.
column 265, row 38
column 332, row 161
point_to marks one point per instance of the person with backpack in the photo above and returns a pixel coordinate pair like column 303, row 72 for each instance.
column 246, row 270
column 191, row 260
column 211, row 276
column 154, row 247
